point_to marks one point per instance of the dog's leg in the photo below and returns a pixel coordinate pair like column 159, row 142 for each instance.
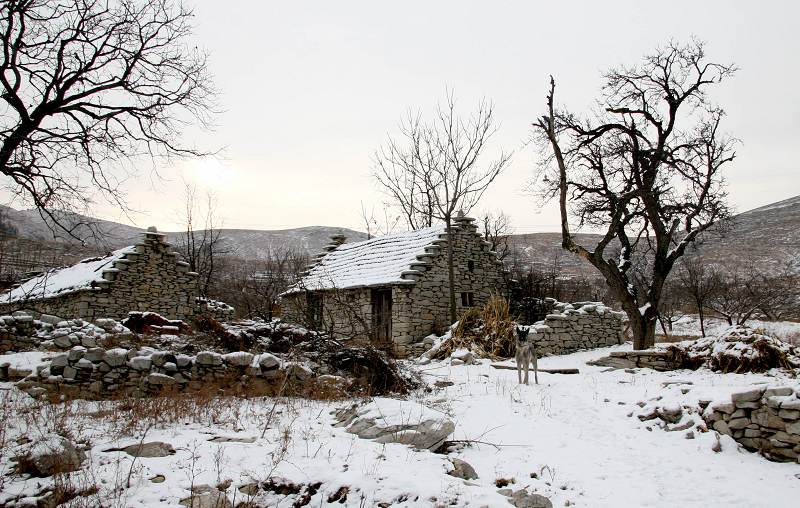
column 527, row 368
column 535, row 364
column 519, row 369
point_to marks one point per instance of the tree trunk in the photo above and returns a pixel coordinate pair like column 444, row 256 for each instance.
column 643, row 327
column 450, row 275
column 702, row 324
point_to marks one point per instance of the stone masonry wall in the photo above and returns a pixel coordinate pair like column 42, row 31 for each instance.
column 576, row 326
column 766, row 420
column 424, row 308
column 149, row 279
column 97, row 373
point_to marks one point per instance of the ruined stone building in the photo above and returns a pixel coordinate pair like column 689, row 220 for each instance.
column 393, row 290
column 147, row 276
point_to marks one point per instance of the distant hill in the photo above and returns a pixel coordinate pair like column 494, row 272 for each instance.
column 245, row 243
column 768, row 236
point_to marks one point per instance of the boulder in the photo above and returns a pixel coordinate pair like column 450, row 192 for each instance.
column 54, row 454
column 463, row 470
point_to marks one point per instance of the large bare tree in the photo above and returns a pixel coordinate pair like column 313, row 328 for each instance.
column 644, row 168
column 202, row 245
column 89, row 88
column 434, row 169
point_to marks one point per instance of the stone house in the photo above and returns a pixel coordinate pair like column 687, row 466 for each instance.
column 148, row 276
column 393, row 290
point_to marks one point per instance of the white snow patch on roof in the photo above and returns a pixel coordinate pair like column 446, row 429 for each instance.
column 374, row 262
column 59, row 281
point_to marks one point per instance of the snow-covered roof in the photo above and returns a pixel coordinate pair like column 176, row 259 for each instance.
column 376, row 262
column 82, row 275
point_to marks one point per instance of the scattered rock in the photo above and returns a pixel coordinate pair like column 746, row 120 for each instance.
column 523, row 499
column 462, row 355
column 463, row 470
column 671, row 414
column 249, row 489
column 717, row 446
column 232, row 439
column 146, row 450
column 54, row 454
column 205, row 496
column 159, row 478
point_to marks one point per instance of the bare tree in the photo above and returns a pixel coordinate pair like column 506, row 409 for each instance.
column 253, row 286
column 496, row 230
column 700, row 281
column 377, row 226
column 201, row 245
column 434, row 172
column 89, row 86
column 645, row 168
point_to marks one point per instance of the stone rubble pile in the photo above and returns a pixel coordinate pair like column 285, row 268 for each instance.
column 22, row 332
column 737, row 349
column 766, row 420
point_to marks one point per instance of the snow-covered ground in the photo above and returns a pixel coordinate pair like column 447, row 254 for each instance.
column 575, row 439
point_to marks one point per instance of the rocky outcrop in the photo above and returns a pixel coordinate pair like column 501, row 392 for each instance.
column 396, row 421
column 764, row 420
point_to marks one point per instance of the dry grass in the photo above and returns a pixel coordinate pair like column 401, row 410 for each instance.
column 486, row 331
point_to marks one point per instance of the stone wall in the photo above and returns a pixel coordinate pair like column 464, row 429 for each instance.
column 420, row 306
column 97, row 373
column 766, row 420
column 423, row 309
column 577, row 326
column 149, row 279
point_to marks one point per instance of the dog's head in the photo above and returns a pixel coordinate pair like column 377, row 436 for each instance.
column 522, row 333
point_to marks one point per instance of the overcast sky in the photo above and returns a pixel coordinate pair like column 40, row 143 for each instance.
column 310, row 89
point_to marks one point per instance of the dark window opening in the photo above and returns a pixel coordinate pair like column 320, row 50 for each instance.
column 471, row 265
column 467, row 299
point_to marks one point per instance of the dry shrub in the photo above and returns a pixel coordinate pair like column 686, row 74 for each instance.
column 486, row 331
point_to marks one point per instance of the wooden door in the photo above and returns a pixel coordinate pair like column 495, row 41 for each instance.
column 382, row 316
